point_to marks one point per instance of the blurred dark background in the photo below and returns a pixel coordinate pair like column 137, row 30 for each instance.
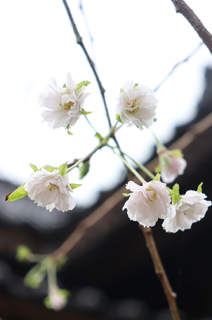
column 109, row 272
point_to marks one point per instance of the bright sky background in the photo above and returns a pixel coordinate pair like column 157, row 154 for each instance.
column 137, row 40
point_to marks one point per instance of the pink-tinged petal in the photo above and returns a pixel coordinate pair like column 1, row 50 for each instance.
column 50, row 190
column 136, row 105
column 147, row 203
column 62, row 104
column 191, row 208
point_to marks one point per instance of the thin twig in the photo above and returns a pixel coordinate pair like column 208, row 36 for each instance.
column 160, row 272
column 192, row 18
column 177, row 65
column 80, row 42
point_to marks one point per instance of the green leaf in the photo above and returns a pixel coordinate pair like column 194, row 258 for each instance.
column 61, row 262
column 18, row 193
column 63, row 169
column 64, row 86
column 155, row 119
column 135, row 85
column 98, row 136
column 69, row 133
column 47, row 302
column 83, row 83
column 49, row 168
column 157, row 177
column 34, row 168
column 175, row 193
column 126, row 194
column 85, row 112
column 176, row 153
column 74, row 185
column 118, row 118
column 158, row 168
column 35, row 276
column 23, row 253
column 84, row 169
column 164, row 161
column 121, row 90
column 199, row 189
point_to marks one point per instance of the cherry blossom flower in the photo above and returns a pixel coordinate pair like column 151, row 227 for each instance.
column 50, row 190
column 63, row 106
column 136, row 104
column 189, row 209
column 147, row 203
column 57, row 298
column 171, row 165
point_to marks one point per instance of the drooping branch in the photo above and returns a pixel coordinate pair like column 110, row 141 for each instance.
column 160, row 272
column 80, row 42
column 192, row 18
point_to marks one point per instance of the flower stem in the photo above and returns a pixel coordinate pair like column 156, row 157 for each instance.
column 132, row 169
column 90, row 123
column 103, row 143
column 51, row 273
column 159, row 144
column 143, row 168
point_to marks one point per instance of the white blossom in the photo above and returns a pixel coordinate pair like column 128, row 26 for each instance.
column 174, row 167
column 50, row 190
column 189, row 209
column 147, row 203
column 136, row 104
column 63, row 106
column 57, row 300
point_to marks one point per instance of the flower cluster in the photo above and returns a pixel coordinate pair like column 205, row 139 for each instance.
column 136, row 105
column 63, row 106
column 151, row 201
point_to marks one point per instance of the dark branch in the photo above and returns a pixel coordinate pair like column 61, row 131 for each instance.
column 80, row 42
column 192, row 18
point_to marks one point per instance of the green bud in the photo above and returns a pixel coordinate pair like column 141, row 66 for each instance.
column 84, row 169
column 23, row 253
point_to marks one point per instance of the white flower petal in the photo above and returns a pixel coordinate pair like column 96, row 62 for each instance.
column 191, row 208
column 50, row 190
column 136, row 105
column 147, row 203
column 62, row 104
